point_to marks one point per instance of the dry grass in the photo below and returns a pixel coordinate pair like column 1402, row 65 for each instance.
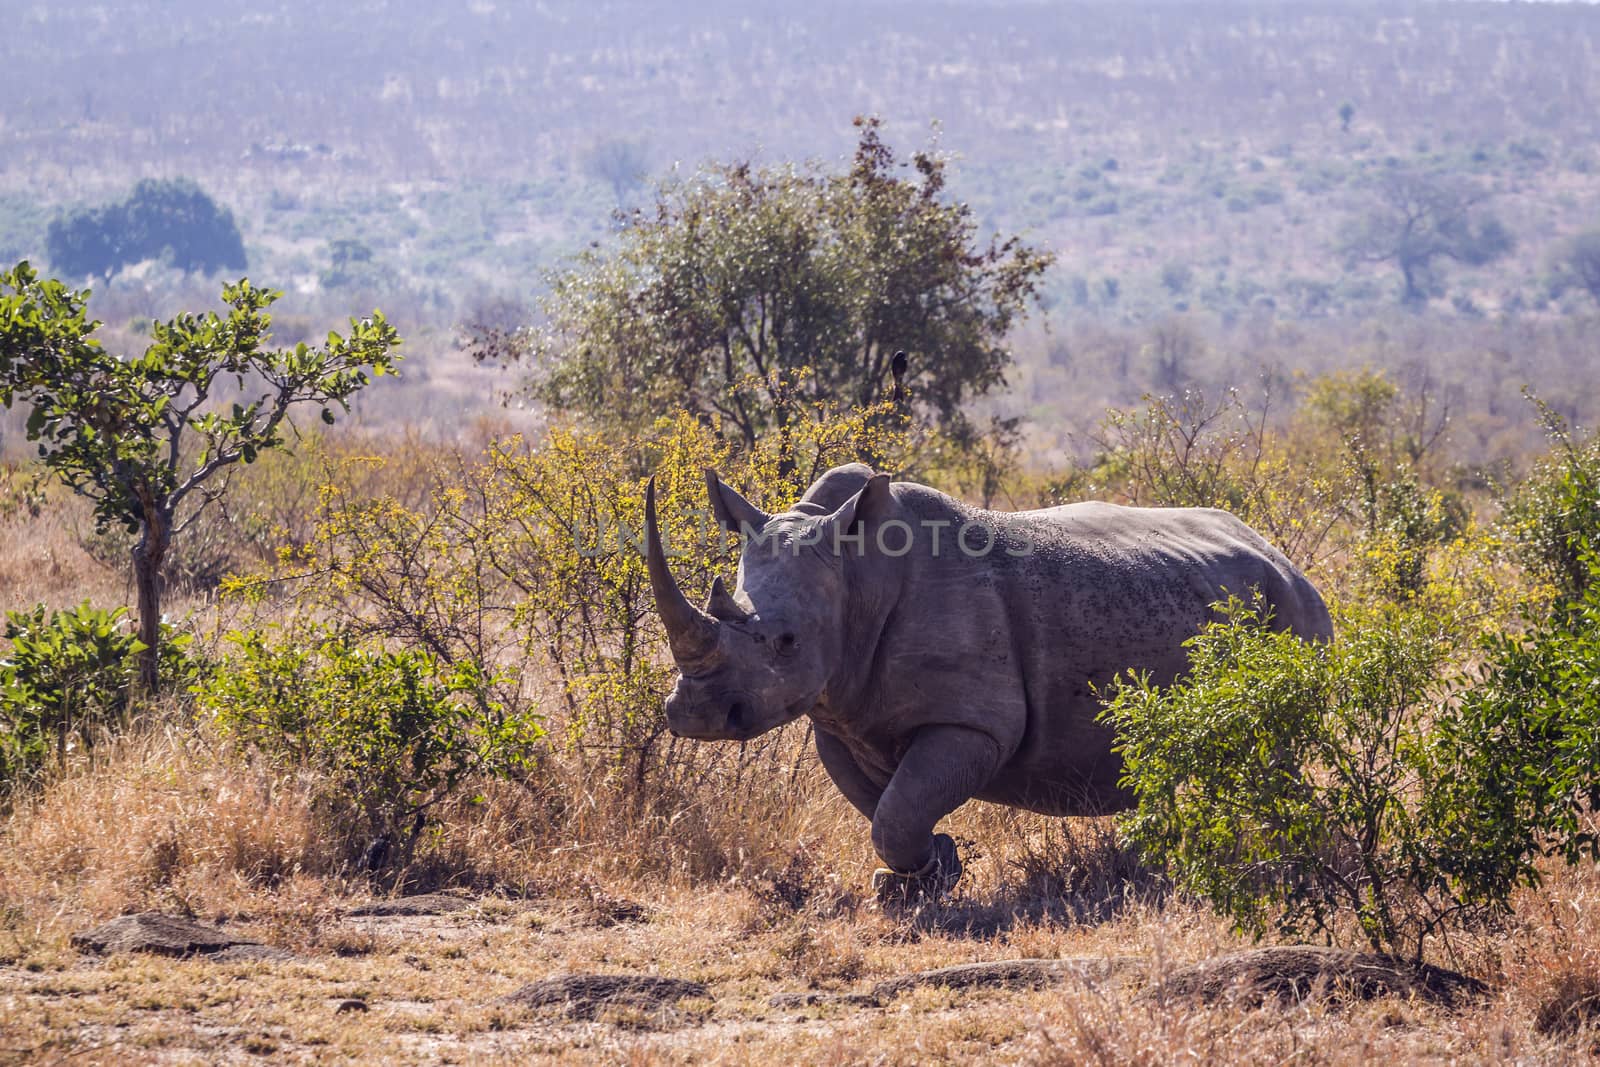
column 746, row 876
column 170, row 820
column 43, row 560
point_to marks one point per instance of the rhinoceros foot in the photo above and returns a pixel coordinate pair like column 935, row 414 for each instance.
column 896, row 889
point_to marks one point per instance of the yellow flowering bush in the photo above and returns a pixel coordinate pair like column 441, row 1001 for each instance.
column 526, row 562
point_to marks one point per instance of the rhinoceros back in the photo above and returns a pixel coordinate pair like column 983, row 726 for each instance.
column 1065, row 600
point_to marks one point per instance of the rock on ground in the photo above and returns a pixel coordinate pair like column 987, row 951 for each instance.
column 421, row 904
column 583, row 996
column 813, row 998
column 1007, row 974
column 993, row 974
column 171, row 935
column 1297, row 972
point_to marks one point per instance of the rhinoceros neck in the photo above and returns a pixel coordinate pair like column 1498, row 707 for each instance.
column 881, row 588
column 873, row 589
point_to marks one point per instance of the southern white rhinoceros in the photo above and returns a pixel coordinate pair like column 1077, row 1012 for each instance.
column 945, row 652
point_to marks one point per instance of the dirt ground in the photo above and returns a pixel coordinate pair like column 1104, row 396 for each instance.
column 438, row 988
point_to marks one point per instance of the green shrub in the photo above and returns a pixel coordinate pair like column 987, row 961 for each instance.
column 1534, row 715
column 1408, row 525
column 391, row 733
column 1556, row 511
column 65, row 682
column 1290, row 783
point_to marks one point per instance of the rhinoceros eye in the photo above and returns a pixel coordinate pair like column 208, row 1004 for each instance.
column 786, row 644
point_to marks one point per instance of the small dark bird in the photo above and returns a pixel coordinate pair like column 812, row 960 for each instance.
column 897, row 367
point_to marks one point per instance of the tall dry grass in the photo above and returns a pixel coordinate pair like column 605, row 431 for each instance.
column 752, row 843
column 171, row 816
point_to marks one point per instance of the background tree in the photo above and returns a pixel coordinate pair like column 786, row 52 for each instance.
column 621, row 163
column 146, row 438
column 352, row 265
column 748, row 290
column 170, row 220
column 85, row 241
column 1579, row 261
column 1417, row 219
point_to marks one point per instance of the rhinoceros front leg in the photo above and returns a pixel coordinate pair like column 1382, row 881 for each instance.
column 861, row 791
column 943, row 768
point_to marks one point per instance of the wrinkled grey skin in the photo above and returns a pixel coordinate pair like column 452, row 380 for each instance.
column 935, row 677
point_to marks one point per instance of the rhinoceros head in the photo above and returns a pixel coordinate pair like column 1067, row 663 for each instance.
column 762, row 655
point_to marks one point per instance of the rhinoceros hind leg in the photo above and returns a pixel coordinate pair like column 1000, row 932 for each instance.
column 941, row 770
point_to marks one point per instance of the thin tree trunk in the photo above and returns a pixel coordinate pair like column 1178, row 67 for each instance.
column 1413, row 294
column 148, row 555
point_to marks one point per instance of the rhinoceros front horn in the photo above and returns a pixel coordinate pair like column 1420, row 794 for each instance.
column 691, row 633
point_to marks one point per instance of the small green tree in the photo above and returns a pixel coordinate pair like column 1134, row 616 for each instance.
column 353, row 265
column 620, row 162
column 1554, row 517
column 147, row 438
column 1177, row 276
column 1535, row 714
column 65, row 680
column 745, row 292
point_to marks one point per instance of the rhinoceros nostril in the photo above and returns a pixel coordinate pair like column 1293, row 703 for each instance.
column 735, row 714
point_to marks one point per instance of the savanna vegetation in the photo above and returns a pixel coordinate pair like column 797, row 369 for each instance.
column 432, row 666
column 288, row 635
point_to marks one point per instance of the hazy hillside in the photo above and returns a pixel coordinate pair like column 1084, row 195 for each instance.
column 1181, row 159
column 481, row 90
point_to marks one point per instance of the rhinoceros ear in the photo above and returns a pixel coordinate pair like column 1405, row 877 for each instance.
column 721, row 605
column 733, row 511
column 873, row 503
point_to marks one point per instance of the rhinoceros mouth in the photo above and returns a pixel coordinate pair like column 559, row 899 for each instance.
column 801, row 707
column 742, row 721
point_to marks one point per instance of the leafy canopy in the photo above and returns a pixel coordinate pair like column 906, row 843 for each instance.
column 750, row 290
column 1291, row 784
column 170, row 220
column 141, row 435
column 1417, row 219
